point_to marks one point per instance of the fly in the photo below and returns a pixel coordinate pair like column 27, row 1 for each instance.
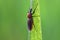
column 30, row 18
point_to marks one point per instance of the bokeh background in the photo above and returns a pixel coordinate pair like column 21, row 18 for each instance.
column 13, row 19
column 50, row 19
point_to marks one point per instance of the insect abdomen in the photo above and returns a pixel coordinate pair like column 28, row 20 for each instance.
column 30, row 24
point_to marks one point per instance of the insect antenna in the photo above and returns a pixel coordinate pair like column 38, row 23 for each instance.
column 35, row 9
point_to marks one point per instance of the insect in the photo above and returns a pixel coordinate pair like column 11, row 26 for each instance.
column 30, row 19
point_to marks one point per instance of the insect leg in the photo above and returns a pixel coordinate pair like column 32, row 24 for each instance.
column 34, row 27
column 36, row 16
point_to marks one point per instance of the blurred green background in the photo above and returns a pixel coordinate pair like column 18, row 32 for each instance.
column 13, row 15
column 13, row 18
column 50, row 19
